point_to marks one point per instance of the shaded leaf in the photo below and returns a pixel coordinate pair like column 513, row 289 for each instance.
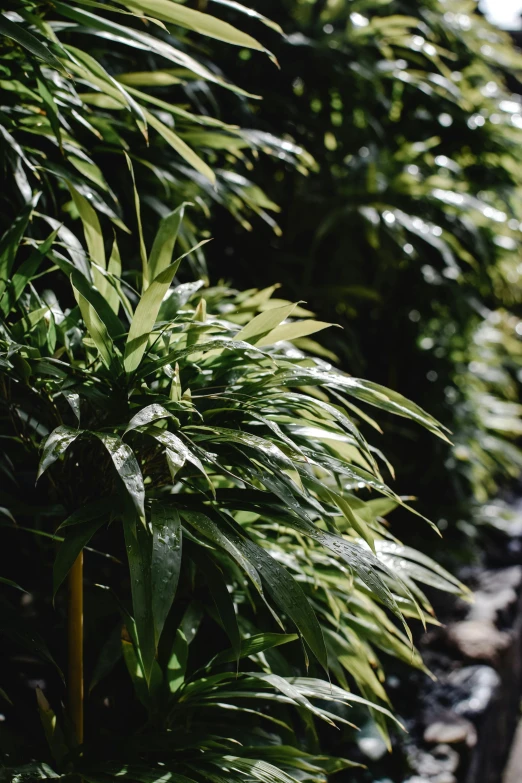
column 56, row 444
column 166, row 561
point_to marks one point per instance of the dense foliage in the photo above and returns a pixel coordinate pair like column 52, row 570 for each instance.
column 83, row 84
column 407, row 232
column 243, row 587
column 184, row 440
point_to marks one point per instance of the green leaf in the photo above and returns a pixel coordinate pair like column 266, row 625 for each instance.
column 53, row 732
column 264, row 323
column 180, row 147
column 146, row 314
column 364, row 563
column 132, row 658
column 137, row 207
column 143, row 41
column 147, row 415
column 163, row 247
column 217, row 584
column 76, row 538
column 52, row 110
column 372, row 393
column 195, row 20
column 4, row 696
column 166, row 561
column 113, row 293
column 74, row 247
column 251, row 13
column 175, row 461
column 392, row 401
column 209, row 345
column 289, row 596
column 353, row 519
column 177, row 665
column 400, row 556
column 87, row 512
column 227, row 435
column 88, row 67
column 293, row 331
column 11, row 239
column 126, row 464
column 28, row 41
column 93, row 237
column 207, row 527
column 25, row 273
column 11, row 584
column 100, row 303
column 110, row 654
column 98, row 331
column 177, row 448
column 138, row 543
column 56, row 444
column 257, row 769
column 255, row 645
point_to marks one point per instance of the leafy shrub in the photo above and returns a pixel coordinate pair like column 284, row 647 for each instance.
column 227, row 464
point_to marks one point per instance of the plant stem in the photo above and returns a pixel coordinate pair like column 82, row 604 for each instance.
column 76, row 647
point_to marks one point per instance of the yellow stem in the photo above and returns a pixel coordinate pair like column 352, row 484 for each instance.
column 76, row 647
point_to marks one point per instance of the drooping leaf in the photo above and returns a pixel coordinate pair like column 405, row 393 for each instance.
column 52, row 110
column 56, row 444
column 110, row 654
column 289, row 596
column 255, row 645
column 195, row 20
column 217, row 584
column 10, row 582
column 127, row 467
column 165, row 562
column 251, row 13
column 19, row 34
column 181, row 147
column 147, row 415
column 76, row 538
column 138, row 543
column 87, row 512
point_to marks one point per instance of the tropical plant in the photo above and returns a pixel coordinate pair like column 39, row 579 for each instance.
column 194, row 442
column 409, row 228
column 82, row 84
column 177, row 430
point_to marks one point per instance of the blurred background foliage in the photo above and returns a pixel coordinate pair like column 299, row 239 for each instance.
column 407, row 230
